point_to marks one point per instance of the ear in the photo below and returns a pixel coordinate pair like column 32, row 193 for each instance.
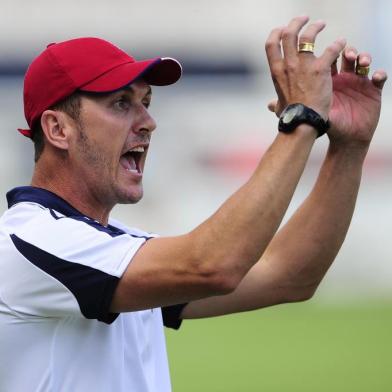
column 57, row 127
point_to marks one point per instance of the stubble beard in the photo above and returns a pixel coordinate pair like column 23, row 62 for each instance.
column 99, row 164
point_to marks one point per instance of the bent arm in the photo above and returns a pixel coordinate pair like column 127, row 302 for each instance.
column 213, row 258
column 302, row 251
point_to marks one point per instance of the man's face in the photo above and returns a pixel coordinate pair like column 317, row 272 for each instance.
column 110, row 147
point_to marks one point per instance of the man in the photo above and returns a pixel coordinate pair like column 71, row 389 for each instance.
column 81, row 294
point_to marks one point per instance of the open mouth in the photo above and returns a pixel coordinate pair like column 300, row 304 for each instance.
column 131, row 160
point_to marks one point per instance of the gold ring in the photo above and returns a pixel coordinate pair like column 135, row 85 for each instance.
column 306, row 47
column 362, row 71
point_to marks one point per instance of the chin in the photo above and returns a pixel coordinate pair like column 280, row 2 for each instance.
column 130, row 196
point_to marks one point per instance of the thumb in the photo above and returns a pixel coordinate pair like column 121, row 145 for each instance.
column 274, row 107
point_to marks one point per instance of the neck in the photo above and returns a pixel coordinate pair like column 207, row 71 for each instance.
column 57, row 179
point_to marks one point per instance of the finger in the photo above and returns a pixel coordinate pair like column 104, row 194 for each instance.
column 379, row 78
column 332, row 52
column 310, row 33
column 348, row 59
column 290, row 35
column 364, row 59
column 362, row 66
column 272, row 46
column 272, row 105
column 334, row 67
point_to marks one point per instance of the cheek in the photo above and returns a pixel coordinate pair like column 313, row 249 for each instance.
column 104, row 139
column 110, row 135
column 95, row 154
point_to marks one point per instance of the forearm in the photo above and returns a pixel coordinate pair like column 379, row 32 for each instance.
column 235, row 237
column 299, row 255
column 213, row 258
column 307, row 245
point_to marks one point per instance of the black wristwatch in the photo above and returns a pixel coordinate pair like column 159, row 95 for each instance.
column 296, row 114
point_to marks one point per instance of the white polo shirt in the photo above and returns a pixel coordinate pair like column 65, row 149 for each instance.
column 58, row 273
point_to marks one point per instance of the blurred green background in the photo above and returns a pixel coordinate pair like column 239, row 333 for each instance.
column 296, row 347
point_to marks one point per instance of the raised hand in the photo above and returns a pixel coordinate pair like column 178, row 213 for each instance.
column 301, row 77
column 356, row 100
column 354, row 108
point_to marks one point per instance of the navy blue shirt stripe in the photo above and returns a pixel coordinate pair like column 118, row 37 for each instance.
column 70, row 273
column 56, row 203
column 92, row 288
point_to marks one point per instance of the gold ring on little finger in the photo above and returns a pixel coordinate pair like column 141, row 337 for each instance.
column 362, row 71
column 306, row 47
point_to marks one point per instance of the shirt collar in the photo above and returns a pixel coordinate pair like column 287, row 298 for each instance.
column 43, row 197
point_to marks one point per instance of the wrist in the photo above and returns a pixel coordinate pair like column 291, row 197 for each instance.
column 303, row 132
column 307, row 130
column 349, row 146
column 296, row 114
column 351, row 150
column 350, row 139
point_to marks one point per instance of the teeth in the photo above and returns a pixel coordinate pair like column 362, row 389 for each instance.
column 137, row 149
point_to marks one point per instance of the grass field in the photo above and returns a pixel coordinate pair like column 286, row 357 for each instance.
column 296, row 347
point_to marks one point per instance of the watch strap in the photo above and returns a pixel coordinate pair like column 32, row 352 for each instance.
column 306, row 116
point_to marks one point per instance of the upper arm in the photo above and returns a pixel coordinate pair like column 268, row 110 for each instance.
column 61, row 266
column 165, row 272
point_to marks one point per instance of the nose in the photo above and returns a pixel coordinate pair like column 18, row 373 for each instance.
column 145, row 123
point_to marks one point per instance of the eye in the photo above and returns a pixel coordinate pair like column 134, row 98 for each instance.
column 122, row 103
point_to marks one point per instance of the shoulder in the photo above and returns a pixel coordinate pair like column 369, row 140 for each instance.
column 34, row 229
column 25, row 215
column 32, row 219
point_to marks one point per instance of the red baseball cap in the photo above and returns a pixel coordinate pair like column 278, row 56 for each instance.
column 87, row 64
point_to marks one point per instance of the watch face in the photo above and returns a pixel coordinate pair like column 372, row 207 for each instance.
column 291, row 113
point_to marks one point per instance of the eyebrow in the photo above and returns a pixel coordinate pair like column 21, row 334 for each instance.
column 132, row 90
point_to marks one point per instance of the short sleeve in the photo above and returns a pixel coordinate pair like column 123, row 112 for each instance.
column 172, row 315
column 59, row 266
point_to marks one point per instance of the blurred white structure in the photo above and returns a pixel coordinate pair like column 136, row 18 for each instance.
column 215, row 28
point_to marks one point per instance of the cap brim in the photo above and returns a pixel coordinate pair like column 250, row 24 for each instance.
column 157, row 72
